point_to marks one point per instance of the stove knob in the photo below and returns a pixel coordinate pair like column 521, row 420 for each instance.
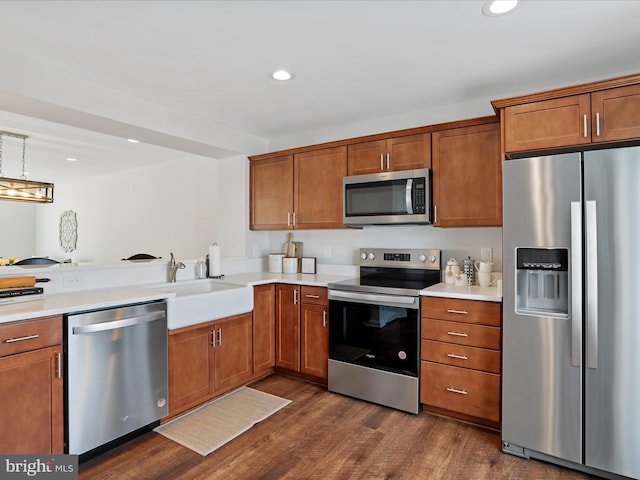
column 422, row 258
column 432, row 258
column 372, row 256
column 363, row 255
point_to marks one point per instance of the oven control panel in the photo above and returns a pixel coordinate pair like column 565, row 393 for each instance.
column 402, row 258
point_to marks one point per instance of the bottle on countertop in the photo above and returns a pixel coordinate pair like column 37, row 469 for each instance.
column 201, row 269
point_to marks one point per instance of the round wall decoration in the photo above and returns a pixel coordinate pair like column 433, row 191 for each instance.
column 68, row 231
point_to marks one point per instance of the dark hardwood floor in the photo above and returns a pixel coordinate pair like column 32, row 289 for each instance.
column 321, row 435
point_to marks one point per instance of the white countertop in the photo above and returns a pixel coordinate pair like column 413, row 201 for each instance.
column 60, row 303
column 475, row 292
column 260, row 278
column 71, row 302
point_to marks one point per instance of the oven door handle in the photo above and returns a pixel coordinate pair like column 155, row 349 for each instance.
column 390, row 300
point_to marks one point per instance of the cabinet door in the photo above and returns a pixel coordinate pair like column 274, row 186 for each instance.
column 264, row 327
column 191, row 363
column 315, row 339
column 318, row 188
column 616, row 114
column 288, row 327
column 233, row 351
column 467, row 176
column 397, row 153
column 409, row 152
column 560, row 122
column 367, row 157
column 31, row 399
column 271, row 193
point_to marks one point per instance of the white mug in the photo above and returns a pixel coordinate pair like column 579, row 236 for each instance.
column 483, row 266
column 486, row 279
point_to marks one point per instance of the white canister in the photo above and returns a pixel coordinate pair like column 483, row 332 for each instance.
column 290, row 265
column 275, row 262
column 451, row 271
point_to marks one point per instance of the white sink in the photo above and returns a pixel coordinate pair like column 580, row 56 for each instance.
column 198, row 301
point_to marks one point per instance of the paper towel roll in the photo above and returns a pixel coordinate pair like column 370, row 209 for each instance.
column 214, row 260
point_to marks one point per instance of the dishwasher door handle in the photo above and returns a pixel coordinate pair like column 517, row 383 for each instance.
column 115, row 324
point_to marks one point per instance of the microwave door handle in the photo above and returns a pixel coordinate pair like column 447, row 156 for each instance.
column 408, row 196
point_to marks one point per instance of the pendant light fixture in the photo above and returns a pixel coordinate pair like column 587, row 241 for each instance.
column 21, row 189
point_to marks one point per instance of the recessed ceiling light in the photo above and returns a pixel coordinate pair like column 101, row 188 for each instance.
column 282, row 75
column 71, row 159
column 496, row 8
column 132, row 140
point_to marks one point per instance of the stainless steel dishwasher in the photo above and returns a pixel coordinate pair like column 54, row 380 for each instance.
column 116, row 373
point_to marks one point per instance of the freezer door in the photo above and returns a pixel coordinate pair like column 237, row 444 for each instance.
column 612, row 223
column 541, row 388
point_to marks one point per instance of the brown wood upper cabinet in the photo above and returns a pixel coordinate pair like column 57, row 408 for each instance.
column 606, row 115
column 467, row 176
column 397, row 153
column 303, row 190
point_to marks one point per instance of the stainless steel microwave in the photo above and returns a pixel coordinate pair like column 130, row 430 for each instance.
column 387, row 198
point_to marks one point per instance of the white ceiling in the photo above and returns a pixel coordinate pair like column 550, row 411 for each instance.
column 353, row 60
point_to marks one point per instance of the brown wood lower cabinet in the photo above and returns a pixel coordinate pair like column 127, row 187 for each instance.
column 208, row 359
column 461, row 359
column 302, row 330
column 315, row 339
column 31, row 387
column 264, row 328
column 471, row 392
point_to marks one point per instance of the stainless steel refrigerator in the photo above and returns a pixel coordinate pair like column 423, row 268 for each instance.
column 571, row 325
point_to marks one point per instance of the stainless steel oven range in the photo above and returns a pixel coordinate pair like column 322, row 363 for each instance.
column 374, row 327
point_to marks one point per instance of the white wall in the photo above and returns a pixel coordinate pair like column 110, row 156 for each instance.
column 418, row 118
column 18, row 228
column 343, row 245
column 170, row 207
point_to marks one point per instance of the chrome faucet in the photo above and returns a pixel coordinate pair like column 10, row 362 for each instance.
column 173, row 268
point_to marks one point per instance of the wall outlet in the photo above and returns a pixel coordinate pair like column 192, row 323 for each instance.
column 486, row 254
column 327, row 252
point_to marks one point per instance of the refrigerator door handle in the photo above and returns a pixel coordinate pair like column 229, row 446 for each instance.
column 576, row 284
column 592, row 285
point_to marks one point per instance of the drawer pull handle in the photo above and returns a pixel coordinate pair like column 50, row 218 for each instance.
column 20, row 339
column 457, row 334
column 459, row 357
column 312, row 296
column 454, row 390
column 459, row 312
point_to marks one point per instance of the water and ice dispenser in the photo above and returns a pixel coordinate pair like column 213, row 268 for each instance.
column 542, row 281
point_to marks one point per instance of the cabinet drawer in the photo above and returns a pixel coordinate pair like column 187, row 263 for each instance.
column 23, row 336
column 461, row 390
column 314, row 295
column 459, row 310
column 461, row 356
column 461, row 333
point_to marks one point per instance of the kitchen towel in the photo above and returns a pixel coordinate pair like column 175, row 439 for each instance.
column 215, row 268
column 218, row 422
